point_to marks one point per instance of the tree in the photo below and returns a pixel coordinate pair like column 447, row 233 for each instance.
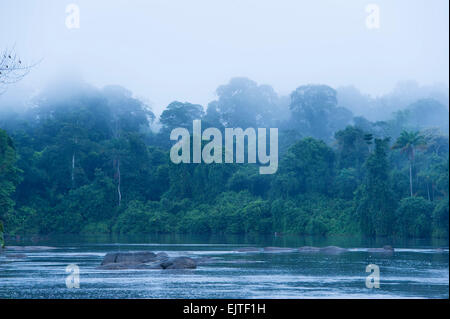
column 374, row 198
column 9, row 178
column 351, row 147
column 315, row 111
column 408, row 142
column 413, row 217
column 440, row 218
column 179, row 114
column 308, row 166
column 243, row 103
column 426, row 113
column 12, row 69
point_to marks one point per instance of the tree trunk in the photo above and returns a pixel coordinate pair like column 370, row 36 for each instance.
column 410, row 179
column 411, row 160
column 73, row 169
column 118, row 182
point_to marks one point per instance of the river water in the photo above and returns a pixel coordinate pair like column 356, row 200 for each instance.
column 417, row 269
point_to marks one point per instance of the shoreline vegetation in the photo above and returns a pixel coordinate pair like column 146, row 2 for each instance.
column 85, row 160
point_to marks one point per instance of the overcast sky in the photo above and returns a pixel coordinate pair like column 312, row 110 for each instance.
column 165, row 50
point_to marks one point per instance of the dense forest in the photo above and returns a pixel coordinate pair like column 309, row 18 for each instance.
column 85, row 160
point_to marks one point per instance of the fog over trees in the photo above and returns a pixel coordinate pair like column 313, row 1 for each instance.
column 80, row 159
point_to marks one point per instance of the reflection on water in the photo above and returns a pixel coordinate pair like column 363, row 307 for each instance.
column 418, row 269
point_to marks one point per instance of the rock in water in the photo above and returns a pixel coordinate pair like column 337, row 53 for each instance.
column 179, row 263
column 29, row 248
column 385, row 250
column 16, row 256
column 333, row 250
column 248, row 249
column 162, row 256
column 129, row 258
column 308, row 249
column 145, row 260
column 279, row 250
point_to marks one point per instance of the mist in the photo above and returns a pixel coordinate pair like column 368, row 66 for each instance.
column 183, row 50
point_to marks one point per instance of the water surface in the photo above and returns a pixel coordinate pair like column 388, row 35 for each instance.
column 418, row 269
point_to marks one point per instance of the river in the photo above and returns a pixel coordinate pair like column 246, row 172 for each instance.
column 417, row 269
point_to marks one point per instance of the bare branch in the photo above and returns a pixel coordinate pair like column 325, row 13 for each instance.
column 12, row 68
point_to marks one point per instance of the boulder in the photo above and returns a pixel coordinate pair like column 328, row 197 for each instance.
column 162, row 256
column 179, row 263
column 129, row 258
column 145, row 260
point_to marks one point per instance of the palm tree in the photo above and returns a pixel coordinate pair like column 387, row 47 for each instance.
column 407, row 143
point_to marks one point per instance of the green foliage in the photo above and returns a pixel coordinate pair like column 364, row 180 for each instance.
column 413, row 217
column 134, row 220
column 314, row 109
column 352, row 147
column 408, row 143
column 374, row 197
column 308, row 166
column 243, row 103
column 440, row 219
column 86, row 161
column 2, row 240
column 96, row 228
column 346, row 182
column 9, row 174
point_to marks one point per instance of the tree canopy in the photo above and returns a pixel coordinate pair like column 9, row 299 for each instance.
column 86, row 160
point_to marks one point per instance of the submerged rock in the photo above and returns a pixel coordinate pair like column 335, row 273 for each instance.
column 333, row 250
column 279, row 250
column 207, row 260
column 16, row 256
column 330, row 250
column 248, row 249
column 385, row 250
column 29, row 248
column 309, row 249
column 179, row 263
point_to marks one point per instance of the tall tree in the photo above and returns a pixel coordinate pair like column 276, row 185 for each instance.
column 374, row 197
column 408, row 143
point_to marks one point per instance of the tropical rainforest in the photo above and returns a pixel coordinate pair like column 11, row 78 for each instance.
column 84, row 160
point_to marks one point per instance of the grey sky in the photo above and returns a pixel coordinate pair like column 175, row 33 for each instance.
column 165, row 50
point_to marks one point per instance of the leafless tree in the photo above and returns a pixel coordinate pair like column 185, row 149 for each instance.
column 12, row 69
